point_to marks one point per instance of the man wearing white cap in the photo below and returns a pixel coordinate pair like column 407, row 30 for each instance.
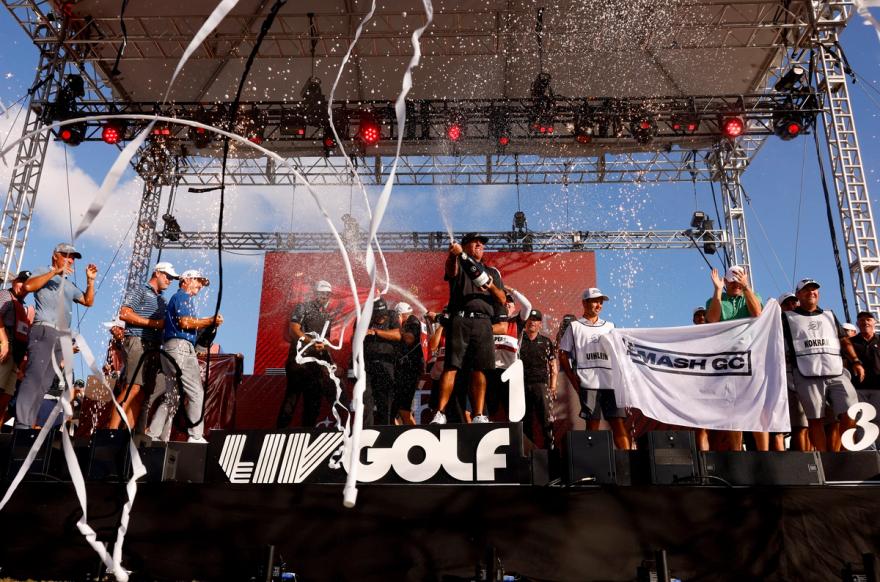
column 54, row 296
column 699, row 315
column 733, row 298
column 310, row 379
column 816, row 342
column 587, row 367
column 143, row 312
column 180, row 333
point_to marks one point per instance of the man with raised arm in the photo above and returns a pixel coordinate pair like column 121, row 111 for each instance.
column 474, row 291
column 54, row 296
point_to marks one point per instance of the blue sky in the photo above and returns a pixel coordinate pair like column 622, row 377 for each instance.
column 648, row 288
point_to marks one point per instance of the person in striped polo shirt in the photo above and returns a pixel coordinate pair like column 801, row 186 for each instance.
column 144, row 315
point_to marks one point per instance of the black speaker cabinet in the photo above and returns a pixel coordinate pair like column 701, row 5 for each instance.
column 175, row 461
column 672, row 457
column 109, row 458
column 762, row 468
column 852, row 466
column 22, row 442
column 589, row 458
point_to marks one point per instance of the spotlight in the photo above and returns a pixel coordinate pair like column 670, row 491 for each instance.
column 698, row 219
column 252, row 126
column 684, row 124
column 200, row 136
column 292, row 125
column 732, row 126
column 584, row 124
column 113, row 131
column 315, row 104
column 171, row 231
column 455, row 127
column 788, row 124
column 643, row 129
column 544, row 107
column 791, row 79
column 499, row 126
column 369, row 131
column 73, row 134
column 519, row 220
column 329, row 141
column 75, row 86
column 160, row 133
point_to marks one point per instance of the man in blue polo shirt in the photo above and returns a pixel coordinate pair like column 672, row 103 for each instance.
column 180, row 333
column 54, row 295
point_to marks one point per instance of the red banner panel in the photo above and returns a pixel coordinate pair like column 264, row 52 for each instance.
column 553, row 283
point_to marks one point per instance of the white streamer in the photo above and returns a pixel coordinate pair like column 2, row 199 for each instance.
column 350, row 491
column 862, row 9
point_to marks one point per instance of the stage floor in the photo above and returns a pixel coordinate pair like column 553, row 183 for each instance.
column 411, row 532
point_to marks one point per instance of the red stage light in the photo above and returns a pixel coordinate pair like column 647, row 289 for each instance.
column 793, row 128
column 257, row 139
column 369, row 131
column 329, row 142
column 453, row 132
column 66, row 134
column 113, row 132
column 74, row 134
column 503, row 140
column 733, row 127
column 584, row 138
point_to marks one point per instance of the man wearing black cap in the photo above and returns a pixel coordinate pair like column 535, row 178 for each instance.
column 474, row 292
column 818, row 346
column 54, row 296
column 867, row 346
column 13, row 337
column 380, row 356
column 538, row 355
column 309, row 379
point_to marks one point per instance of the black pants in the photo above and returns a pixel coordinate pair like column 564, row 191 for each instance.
column 497, row 393
column 536, row 411
column 407, row 378
column 379, row 393
column 312, row 381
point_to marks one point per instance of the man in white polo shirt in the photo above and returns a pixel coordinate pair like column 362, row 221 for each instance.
column 588, row 368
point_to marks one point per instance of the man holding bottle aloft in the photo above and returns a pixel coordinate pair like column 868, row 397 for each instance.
column 474, row 292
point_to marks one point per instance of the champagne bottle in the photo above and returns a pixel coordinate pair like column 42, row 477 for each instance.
column 474, row 271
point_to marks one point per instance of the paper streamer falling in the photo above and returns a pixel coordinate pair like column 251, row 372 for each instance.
column 862, row 8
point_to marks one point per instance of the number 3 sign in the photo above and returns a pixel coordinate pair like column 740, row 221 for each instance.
column 870, row 430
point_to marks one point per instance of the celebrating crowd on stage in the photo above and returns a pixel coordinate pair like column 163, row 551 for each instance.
column 460, row 355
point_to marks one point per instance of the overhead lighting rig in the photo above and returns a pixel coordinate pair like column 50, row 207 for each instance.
column 584, row 124
column 499, row 126
column 643, row 128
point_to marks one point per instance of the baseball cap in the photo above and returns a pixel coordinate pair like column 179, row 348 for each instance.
column 323, row 286
column 785, row 297
column 67, row 249
column 471, row 236
column 22, row 276
column 804, row 283
column 863, row 314
column 849, row 327
column 167, row 268
column 403, row 307
column 536, row 315
column 594, row 293
column 195, row 274
column 730, row 275
column 699, row 309
column 379, row 305
column 115, row 323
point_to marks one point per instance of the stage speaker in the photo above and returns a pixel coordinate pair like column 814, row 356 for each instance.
column 109, row 456
column 540, row 467
column 22, row 441
column 589, row 458
column 174, row 461
column 672, row 457
column 762, row 468
column 857, row 466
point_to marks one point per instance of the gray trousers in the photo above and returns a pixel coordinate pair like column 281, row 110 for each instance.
column 184, row 354
column 38, row 375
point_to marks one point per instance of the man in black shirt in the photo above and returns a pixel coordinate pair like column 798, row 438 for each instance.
column 538, row 355
column 867, row 346
column 380, row 355
column 411, row 363
column 310, row 379
column 469, row 341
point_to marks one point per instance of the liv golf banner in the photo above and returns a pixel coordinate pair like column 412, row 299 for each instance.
column 725, row 376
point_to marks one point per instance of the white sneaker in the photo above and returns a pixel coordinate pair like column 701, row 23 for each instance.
column 439, row 418
column 198, row 440
column 480, row 419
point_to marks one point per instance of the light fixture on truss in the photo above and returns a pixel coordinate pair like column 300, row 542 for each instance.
column 369, row 130
column 543, row 114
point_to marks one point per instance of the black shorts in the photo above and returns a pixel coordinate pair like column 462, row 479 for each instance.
column 470, row 342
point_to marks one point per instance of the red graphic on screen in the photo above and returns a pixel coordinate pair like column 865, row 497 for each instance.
column 553, row 282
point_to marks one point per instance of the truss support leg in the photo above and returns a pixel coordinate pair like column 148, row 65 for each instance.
column 21, row 197
column 139, row 266
column 854, row 204
column 731, row 164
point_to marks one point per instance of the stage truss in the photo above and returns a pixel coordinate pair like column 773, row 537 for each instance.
column 774, row 35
